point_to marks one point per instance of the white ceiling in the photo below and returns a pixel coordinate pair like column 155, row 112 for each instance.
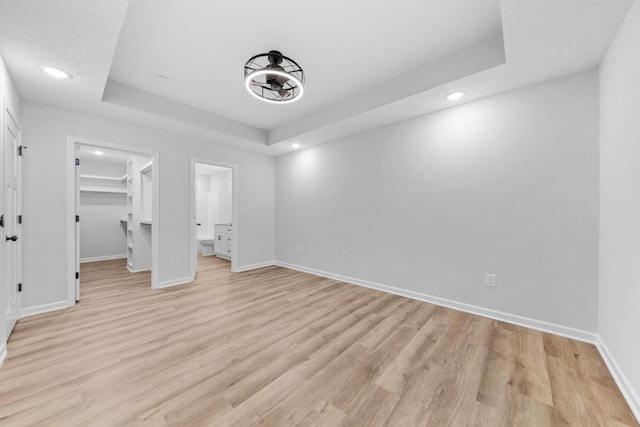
column 77, row 36
column 367, row 63
column 346, row 47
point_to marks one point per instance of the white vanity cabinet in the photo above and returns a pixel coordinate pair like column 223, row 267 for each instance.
column 222, row 244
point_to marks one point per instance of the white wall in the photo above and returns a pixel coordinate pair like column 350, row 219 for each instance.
column 206, row 207
column 45, row 132
column 619, row 313
column 220, row 183
column 101, row 234
column 8, row 91
column 214, row 200
column 506, row 185
column 8, row 95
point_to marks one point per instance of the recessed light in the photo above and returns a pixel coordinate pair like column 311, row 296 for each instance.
column 161, row 79
column 295, row 145
column 56, row 73
column 98, row 153
column 454, row 96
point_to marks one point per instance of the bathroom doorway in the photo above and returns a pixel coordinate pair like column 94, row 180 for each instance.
column 213, row 211
column 115, row 200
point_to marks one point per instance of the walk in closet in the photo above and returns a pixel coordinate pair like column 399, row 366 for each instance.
column 115, row 207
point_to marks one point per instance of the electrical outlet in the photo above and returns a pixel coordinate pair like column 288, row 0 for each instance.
column 490, row 280
column 298, row 250
column 174, row 259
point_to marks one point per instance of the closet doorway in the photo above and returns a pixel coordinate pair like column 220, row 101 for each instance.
column 115, row 200
column 213, row 213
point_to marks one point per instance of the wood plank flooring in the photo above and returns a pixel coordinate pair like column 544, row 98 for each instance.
column 275, row 347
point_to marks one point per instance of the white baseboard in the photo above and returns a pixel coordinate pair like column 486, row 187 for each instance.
column 137, row 271
column 175, row 282
column 39, row 309
column 627, row 390
column 102, row 258
column 3, row 352
column 527, row 322
column 242, row 268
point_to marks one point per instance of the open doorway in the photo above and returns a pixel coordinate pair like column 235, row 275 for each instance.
column 214, row 227
column 114, row 192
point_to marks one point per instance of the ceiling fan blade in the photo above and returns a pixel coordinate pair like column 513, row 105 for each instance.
column 284, row 93
column 282, row 80
column 262, row 85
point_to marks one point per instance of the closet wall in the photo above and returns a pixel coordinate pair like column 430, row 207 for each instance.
column 102, row 236
column 220, row 183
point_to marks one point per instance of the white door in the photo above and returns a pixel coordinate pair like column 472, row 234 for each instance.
column 77, row 196
column 12, row 218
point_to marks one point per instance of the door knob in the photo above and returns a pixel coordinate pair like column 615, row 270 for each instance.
column 12, row 238
column 198, row 224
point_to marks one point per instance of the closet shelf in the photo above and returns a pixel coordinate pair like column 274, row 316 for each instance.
column 146, row 168
column 100, row 177
column 145, row 222
column 103, row 190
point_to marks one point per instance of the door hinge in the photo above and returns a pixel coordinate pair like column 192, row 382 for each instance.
column 19, row 219
column 21, row 148
column 77, row 162
column 77, row 218
column 77, row 275
column 19, row 287
column 2, row 221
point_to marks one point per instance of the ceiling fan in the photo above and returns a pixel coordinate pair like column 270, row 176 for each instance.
column 273, row 77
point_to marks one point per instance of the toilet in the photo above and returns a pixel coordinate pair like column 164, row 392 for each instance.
column 207, row 244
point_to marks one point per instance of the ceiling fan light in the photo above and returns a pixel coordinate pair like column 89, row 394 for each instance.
column 251, row 77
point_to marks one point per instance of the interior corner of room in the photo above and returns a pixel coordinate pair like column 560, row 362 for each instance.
column 480, row 183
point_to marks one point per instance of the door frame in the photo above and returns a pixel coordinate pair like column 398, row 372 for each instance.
column 71, row 210
column 234, row 212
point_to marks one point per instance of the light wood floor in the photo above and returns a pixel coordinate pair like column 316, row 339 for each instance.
column 275, row 347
